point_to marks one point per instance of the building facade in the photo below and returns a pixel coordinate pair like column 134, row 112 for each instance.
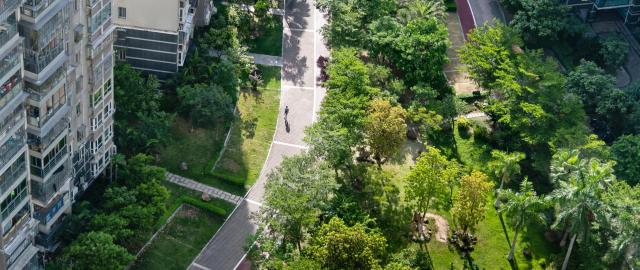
column 153, row 35
column 629, row 10
column 56, row 116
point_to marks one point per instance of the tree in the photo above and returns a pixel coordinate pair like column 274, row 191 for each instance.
column 581, row 185
column 523, row 207
column 504, row 166
column 468, row 210
column 205, row 105
column 295, row 194
column 96, row 251
column 140, row 124
column 420, row 9
column 614, row 52
column 428, row 180
column 531, row 103
column 469, row 205
column 385, row 129
column 625, row 203
column 541, row 19
column 487, row 49
column 606, row 105
column 626, row 152
column 418, row 49
column 338, row 246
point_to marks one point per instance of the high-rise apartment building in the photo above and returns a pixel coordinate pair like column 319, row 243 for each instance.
column 18, row 227
column 56, row 116
column 629, row 10
column 153, row 36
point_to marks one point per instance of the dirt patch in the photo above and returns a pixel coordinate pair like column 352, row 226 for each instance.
column 443, row 227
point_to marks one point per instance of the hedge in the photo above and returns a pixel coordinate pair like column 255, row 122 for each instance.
column 203, row 205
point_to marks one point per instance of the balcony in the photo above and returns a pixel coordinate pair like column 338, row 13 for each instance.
column 37, row 143
column 37, row 61
column 35, row 8
column 43, row 192
column 42, row 172
column 42, row 124
column 9, row 90
column 10, row 65
column 12, row 175
column 10, row 148
column 8, row 28
column 46, row 214
column 15, row 203
column 10, row 122
column 54, row 82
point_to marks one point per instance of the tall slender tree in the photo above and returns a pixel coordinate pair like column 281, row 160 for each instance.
column 581, row 184
column 522, row 207
column 504, row 166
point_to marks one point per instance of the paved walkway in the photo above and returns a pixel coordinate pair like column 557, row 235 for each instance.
column 267, row 60
column 302, row 45
column 454, row 70
column 213, row 192
column 260, row 59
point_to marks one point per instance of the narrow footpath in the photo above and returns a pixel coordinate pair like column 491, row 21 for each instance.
column 213, row 192
column 302, row 45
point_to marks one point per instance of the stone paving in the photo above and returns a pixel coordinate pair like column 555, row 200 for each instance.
column 213, row 192
column 260, row 59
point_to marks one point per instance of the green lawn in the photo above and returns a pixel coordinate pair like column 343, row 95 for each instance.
column 199, row 148
column 252, row 133
column 269, row 40
column 181, row 240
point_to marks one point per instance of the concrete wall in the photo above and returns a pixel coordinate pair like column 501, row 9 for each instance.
column 159, row 15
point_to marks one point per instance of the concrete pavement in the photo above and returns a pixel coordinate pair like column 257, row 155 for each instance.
column 302, row 45
column 485, row 11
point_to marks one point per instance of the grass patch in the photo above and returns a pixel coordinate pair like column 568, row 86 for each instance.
column 269, row 41
column 199, row 148
column 181, row 240
column 251, row 134
column 178, row 193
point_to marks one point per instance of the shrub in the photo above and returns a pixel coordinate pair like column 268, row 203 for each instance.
column 481, row 130
column 203, row 205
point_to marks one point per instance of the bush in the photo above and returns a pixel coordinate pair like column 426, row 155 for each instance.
column 464, row 127
column 203, row 205
column 481, row 130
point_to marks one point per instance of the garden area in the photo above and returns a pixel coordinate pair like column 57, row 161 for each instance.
column 539, row 178
column 181, row 240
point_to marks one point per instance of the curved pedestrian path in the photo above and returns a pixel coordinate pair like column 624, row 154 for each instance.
column 302, row 45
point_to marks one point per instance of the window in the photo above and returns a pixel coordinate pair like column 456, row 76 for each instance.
column 122, row 55
column 122, row 12
column 107, row 87
column 76, row 4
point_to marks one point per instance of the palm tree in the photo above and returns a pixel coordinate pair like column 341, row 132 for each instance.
column 523, row 207
column 416, row 9
column 581, row 185
column 504, row 166
column 625, row 200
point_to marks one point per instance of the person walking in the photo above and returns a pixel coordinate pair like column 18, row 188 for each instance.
column 286, row 111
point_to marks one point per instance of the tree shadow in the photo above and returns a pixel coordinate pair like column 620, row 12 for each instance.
column 294, row 64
